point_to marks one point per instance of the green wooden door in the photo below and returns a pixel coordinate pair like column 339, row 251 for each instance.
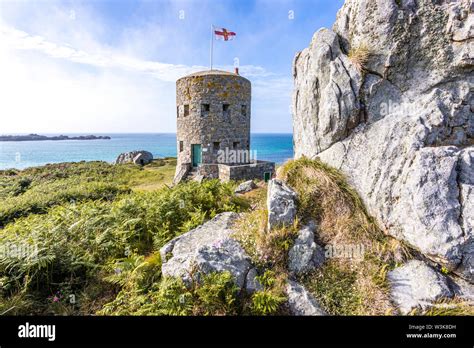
column 267, row 176
column 197, row 155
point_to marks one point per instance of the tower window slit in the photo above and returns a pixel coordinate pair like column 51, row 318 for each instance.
column 226, row 110
column 205, row 108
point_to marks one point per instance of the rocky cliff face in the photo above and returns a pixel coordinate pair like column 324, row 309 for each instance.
column 387, row 96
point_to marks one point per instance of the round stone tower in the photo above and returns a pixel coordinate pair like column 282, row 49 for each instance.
column 213, row 118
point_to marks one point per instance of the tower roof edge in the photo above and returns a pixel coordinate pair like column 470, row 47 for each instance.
column 212, row 72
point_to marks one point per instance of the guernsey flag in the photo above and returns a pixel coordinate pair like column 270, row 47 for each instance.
column 224, row 34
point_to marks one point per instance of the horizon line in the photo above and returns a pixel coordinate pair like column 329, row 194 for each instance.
column 106, row 133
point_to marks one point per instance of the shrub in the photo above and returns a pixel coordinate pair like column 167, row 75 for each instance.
column 265, row 302
column 39, row 199
column 215, row 294
column 270, row 300
column 35, row 190
column 359, row 56
column 76, row 244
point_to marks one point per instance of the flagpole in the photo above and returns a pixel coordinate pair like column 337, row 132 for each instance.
column 212, row 43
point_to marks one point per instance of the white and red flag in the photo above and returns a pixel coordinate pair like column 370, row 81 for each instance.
column 219, row 34
column 223, row 34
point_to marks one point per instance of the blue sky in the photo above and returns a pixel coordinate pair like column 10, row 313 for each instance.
column 111, row 66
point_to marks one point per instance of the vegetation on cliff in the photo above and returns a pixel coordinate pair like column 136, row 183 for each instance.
column 346, row 284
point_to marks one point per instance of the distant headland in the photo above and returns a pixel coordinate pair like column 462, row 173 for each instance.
column 36, row 137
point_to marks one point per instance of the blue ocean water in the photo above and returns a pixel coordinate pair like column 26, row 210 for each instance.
column 22, row 154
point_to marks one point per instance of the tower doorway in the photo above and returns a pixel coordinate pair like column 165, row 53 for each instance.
column 267, row 176
column 196, row 154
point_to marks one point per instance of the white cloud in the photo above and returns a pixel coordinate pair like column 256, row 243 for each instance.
column 41, row 96
column 21, row 40
column 54, row 87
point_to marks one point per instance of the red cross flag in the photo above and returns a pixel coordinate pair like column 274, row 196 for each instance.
column 224, row 34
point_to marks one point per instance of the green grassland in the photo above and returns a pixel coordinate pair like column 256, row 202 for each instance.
column 37, row 189
column 84, row 239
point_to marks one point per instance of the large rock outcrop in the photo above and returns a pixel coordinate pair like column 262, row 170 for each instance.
column 207, row 248
column 387, row 97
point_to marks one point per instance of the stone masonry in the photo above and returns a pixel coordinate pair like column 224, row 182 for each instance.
column 213, row 117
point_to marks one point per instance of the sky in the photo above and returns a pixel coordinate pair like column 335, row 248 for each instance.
column 103, row 66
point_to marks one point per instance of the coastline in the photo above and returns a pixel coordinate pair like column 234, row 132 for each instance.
column 37, row 137
column 25, row 154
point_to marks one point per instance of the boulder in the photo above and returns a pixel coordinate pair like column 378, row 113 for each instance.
column 281, row 204
column 246, row 186
column 416, row 285
column 305, row 255
column 207, row 248
column 387, row 98
column 462, row 289
column 137, row 157
column 301, row 302
column 252, row 284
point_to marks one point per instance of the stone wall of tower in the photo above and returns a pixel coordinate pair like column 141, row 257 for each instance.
column 211, row 126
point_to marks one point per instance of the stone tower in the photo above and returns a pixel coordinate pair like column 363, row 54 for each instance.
column 213, row 118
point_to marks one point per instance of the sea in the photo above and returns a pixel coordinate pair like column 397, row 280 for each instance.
column 23, row 154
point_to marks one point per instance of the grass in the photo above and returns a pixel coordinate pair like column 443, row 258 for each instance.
column 267, row 249
column 343, row 285
column 336, row 289
column 35, row 190
column 359, row 56
column 157, row 174
column 269, row 253
column 354, row 285
column 452, row 307
column 84, row 239
column 75, row 257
